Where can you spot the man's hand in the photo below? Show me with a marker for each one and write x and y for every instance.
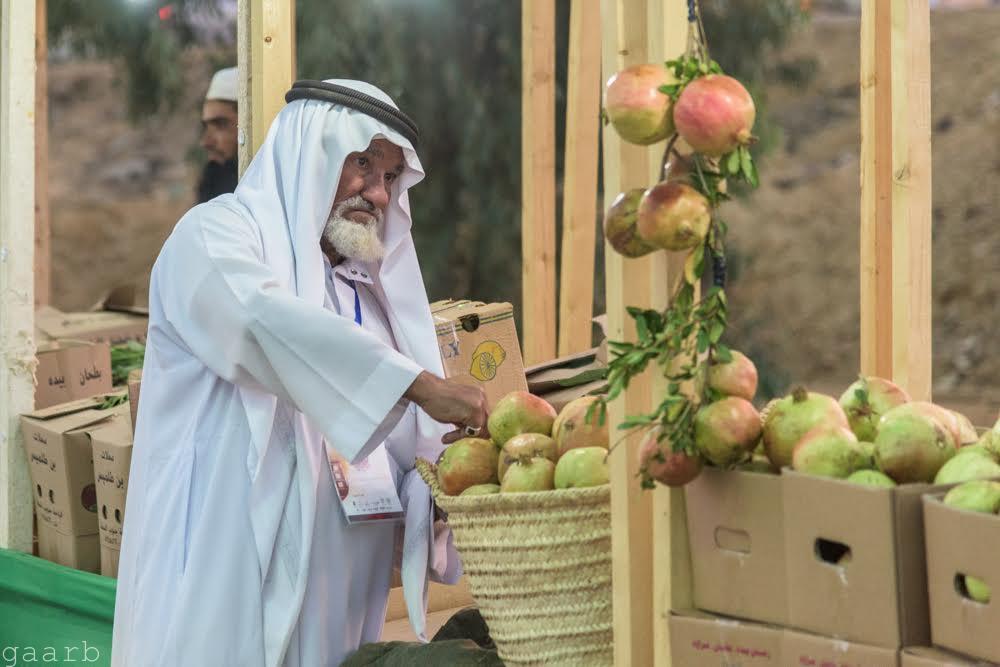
(450, 402)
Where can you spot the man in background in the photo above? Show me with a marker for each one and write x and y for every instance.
(218, 136)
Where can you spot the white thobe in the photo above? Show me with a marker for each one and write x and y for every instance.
(234, 553)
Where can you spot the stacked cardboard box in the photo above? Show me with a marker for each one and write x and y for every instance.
(69, 370)
(959, 543)
(112, 450)
(824, 562)
(60, 457)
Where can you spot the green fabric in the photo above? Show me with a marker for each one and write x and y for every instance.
(50, 614)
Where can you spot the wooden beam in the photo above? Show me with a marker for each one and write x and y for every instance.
(671, 574)
(266, 59)
(896, 194)
(43, 232)
(634, 32)
(17, 216)
(538, 180)
(579, 225)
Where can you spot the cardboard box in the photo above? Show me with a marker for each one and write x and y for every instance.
(479, 346)
(923, 656)
(112, 445)
(134, 385)
(114, 328)
(698, 639)
(60, 459)
(961, 542)
(81, 552)
(878, 595)
(800, 648)
(567, 378)
(735, 528)
(69, 370)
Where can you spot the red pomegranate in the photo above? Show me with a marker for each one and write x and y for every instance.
(637, 109)
(715, 114)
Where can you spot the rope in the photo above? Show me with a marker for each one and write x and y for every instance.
(692, 11)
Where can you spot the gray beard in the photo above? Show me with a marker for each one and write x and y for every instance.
(361, 241)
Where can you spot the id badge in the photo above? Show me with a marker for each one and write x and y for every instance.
(366, 490)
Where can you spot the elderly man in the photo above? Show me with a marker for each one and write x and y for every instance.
(218, 136)
(289, 334)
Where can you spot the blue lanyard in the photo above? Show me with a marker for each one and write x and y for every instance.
(357, 304)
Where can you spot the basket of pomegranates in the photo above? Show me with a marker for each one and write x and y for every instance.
(530, 510)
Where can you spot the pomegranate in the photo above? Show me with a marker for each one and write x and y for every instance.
(828, 452)
(866, 400)
(726, 431)
(580, 467)
(529, 474)
(481, 490)
(673, 216)
(638, 111)
(947, 418)
(520, 412)
(620, 225)
(715, 114)
(572, 430)
(666, 466)
(871, 478)
(525, 444)
(911, 446)
(465, 463)
(736, 377)
(792, 417)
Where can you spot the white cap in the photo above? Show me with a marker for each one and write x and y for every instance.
(223, 86)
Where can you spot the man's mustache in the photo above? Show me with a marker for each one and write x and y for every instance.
(357, 202)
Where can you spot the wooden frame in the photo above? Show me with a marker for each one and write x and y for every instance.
(17, 279)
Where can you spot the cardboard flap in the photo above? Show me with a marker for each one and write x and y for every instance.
(73, 407)
(123, 299)
(470, 315)
(565, 372)
(115, 433)
(925, 656)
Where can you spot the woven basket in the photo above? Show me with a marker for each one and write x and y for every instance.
(539, 567)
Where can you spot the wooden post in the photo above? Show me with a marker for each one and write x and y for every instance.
(17, 216)
(43, 233)
(583, 106)
(896, 193)
(538, 180)
(634, 32)
(266, 61)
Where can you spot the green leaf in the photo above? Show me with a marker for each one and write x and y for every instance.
(733, 162)
(747, 166)
(715, 331)
(674, 411)
(722, 354)
(702, 342)
(694, 265)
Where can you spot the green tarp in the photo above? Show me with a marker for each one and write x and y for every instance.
(50, 614)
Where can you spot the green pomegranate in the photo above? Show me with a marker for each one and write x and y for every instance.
(966, 465)
(529, 474)
(572, 429)
(912, 445)
(520, 412)
(525, 444)
(792, 417)
(980, 495)
(726, 431)
(580, 467)
(481, 490)
(871, 478)
(978, 589)
(828, 452)
(465, 463)
(867, 400)
(736, 377)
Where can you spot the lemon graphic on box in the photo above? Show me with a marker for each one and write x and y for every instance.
(486, 358)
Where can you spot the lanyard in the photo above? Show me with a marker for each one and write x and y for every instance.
(357, 303)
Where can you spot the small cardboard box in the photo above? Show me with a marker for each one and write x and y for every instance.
(801, 648)
(923, 656)
(60, 459)
(109, 327)
(698, 639)
(878, 593)
(479, 346)
(112, 444)
(961, 542)
(69, 370)
(735, 528)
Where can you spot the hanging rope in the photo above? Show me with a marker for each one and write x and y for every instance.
(692, 12)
